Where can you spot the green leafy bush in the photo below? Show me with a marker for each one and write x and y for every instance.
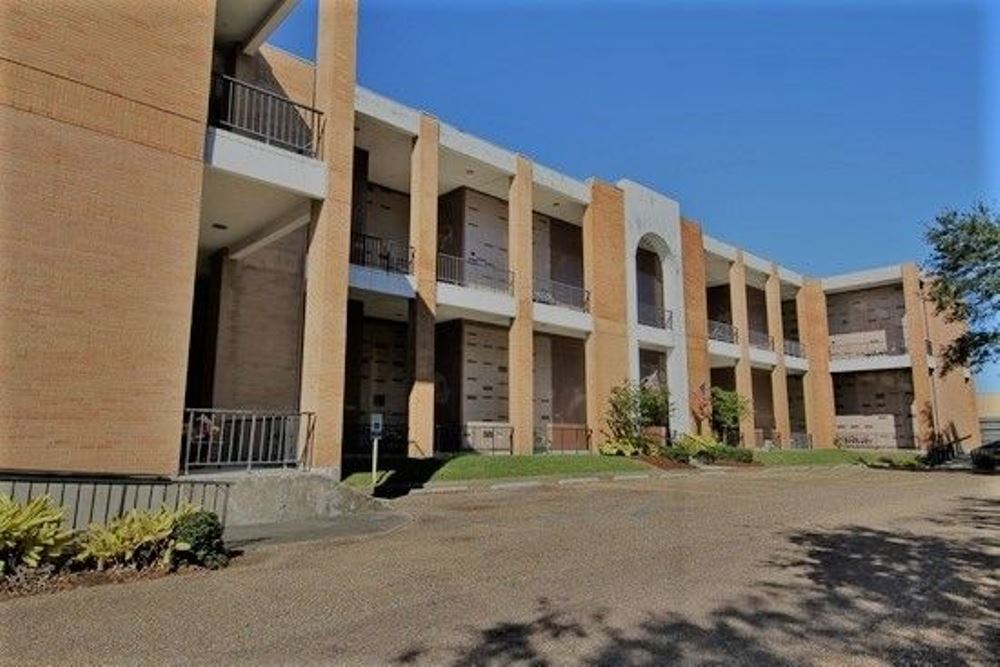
(675, 453)
(198, 540)
(619, 448)
(632, 409)
(31, 535)
(692, 444)
(728, 410)
(138, 539)
(724, 453)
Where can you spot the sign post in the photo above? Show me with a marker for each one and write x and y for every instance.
(376, 433)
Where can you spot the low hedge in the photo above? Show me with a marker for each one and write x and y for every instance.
(724, 453)
(32, 539)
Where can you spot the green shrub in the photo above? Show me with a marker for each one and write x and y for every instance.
(138, 539)
(728, 410)
(632, 408)
(31, 535)
(724, 453)
(692, 444)
(674, 453)
(619, 448)
(198, 540)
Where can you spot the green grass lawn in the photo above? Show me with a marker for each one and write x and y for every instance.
(469, 467)
(791, 457)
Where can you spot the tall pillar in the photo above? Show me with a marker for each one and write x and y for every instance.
(423, 238)
(696, 325)
(741, 320)
(779, 374)
(923, 409)
(325, 328)
(521, 404)
(606, 351)
(810, 304)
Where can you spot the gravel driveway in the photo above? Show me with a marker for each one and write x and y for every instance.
(824, 566)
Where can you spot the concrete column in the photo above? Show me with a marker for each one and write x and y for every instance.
(521, 336)
(325, 327)
(696, 325)
(810, 304)
(607, 358)
(923, 410)
(423, 238)
(779, 376)
(741, 320)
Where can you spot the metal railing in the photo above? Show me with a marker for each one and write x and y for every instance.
(560, 438)
(479, 437)
(555, 293)
(760, 340)
(227, 439)
(800, 440)
(794, 348)
(379, 253)
(723, 331)
(265, 116)
(766, 438)
(473, 273)
(653, 315)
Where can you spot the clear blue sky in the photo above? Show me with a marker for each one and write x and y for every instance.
(818, 134)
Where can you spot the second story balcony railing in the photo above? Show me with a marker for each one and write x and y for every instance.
(653, 315)
(473, 273)
(855, 350)
(794, 348)
(268, 117)
(379, 253)
(555, 293)
(723, 331)
(760, 340)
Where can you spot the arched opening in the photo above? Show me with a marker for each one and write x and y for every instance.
(649, 257)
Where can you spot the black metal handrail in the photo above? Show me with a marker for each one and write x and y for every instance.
(385, 254)
(760, 340)
(654, 315)
(794, 348)
(555, 293)
(247, 439)
(473, 273)
(723, 331)
(266, 116)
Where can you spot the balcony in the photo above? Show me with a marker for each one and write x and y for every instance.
(794, 348)
(474, 273)
(760, 340)
(653, 315)
(378, 253)
(555, 293)
(268, 117)
(723, 332)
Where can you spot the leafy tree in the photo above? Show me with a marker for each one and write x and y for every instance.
(631, 409)
(728, 410)
(965, 264)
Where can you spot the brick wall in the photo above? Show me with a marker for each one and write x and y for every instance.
(101, 134)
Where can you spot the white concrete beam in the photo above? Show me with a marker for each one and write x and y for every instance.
(294, 219)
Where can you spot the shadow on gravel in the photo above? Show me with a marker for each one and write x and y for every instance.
(857, 593)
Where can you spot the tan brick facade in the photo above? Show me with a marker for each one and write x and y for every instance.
(325, 331)
(606, 350)
(779, 374)
(741, 320)
(818, 384)
(423, 238)
(696, 322)
(100, 186)
(521, 334)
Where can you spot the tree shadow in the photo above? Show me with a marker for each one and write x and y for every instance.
(853, 593)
